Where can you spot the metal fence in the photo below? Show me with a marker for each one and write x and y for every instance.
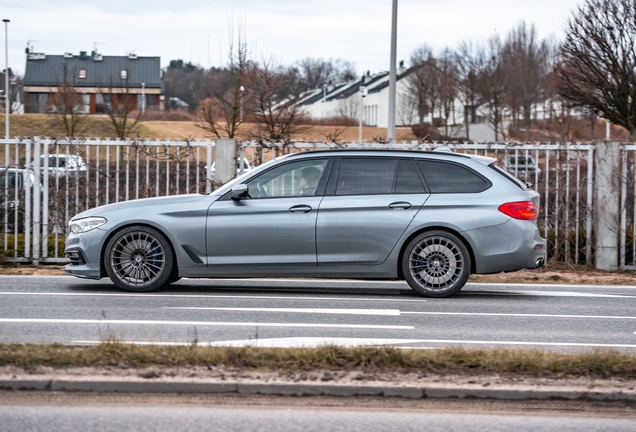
(34, 213)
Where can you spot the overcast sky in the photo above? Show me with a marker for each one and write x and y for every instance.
(197, 30)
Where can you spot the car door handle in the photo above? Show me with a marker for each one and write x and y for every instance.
(400, 205)
(300, 209)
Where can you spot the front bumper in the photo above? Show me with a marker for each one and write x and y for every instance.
(83, 271)
(84, 251)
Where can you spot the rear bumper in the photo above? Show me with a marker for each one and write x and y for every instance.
(512, 246)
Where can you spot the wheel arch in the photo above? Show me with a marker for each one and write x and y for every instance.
(473, 264)
(102, 268)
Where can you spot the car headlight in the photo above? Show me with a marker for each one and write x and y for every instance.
(86, 224)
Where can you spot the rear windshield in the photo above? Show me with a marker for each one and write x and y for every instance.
(509, 176)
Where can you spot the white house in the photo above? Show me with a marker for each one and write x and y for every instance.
(345, 99)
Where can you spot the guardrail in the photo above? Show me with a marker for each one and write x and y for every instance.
(34, 214)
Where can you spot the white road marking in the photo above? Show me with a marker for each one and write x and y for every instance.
(201, 323)
(550, 294)
(358, 282)
(151, 295)
(289, 342)
(569, 344)
(520, 315)
(318, 341)
(391, 312)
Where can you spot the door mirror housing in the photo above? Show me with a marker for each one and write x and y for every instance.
(240, 191)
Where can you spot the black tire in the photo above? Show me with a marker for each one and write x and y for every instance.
(139, 258)
(436, 264)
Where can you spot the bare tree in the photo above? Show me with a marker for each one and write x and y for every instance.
(277, 116)
(469, 67)
(525, 62)
(221, 112)
(186, 82)
(407, 108)
(598, 61)
(492, 84)
(67, 105)
(120, 102)
(316, 72)
(447, 69)
(421, 80)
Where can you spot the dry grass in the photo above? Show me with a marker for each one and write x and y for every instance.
(99, 126)
(534, 363)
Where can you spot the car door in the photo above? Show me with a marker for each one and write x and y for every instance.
(274, 226)
(369, 204)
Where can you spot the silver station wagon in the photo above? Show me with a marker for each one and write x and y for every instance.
(431, 218)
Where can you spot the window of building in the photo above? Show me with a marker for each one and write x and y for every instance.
(82, 73)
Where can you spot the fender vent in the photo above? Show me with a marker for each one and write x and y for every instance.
(192, 254)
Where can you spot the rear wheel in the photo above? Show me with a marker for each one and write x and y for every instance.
(139, 258)
(436, 264)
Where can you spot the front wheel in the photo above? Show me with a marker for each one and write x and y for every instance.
(436, 264)
(139, 258)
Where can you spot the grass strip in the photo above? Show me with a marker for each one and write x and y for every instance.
(528, 362)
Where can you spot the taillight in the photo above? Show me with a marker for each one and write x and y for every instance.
(523, 210)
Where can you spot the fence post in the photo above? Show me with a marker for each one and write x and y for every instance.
(607, 223)
(225, 160)
(35, 257)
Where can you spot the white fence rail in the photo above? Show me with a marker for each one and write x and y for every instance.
(34, 213)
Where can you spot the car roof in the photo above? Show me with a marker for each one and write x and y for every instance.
(441, 153)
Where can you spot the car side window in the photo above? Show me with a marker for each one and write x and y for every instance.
(366, 176)
(293, 179)
(408, 180)
(447, 177)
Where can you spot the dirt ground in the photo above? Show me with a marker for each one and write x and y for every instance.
(543, 276)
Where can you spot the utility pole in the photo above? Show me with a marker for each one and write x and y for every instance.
(6, 78)
(392, 75)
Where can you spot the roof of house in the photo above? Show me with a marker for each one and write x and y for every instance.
(48, 70)
(385, 84)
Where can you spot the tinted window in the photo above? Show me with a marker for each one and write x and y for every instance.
(443, 177)
(366, 176)
(408, 180)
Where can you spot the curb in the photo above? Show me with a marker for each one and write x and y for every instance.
(430, 392)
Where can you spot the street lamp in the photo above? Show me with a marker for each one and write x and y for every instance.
(6, 78)
(363, 94)
(242, 89)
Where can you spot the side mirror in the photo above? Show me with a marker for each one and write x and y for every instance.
(240, 191)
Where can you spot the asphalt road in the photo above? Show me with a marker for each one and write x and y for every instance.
(36, 309)
(120, 419)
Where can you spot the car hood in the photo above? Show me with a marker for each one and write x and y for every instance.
(145, 205)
